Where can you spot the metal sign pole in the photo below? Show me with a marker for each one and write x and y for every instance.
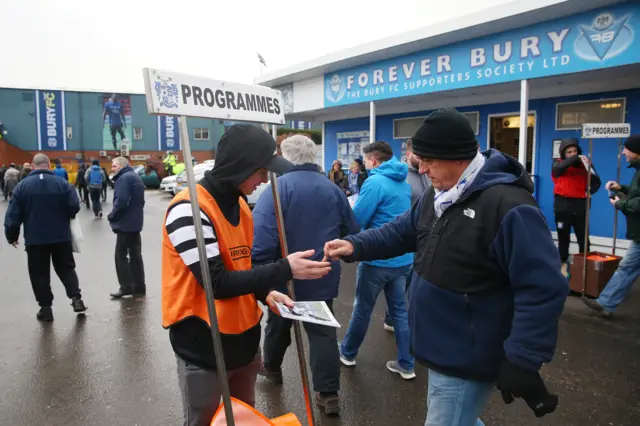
(586, 227)
(615, 212)
(206, 276)
(297, 332)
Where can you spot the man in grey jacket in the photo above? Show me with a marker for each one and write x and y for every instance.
(419, 184)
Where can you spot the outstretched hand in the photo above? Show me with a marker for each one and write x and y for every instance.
(334, 250)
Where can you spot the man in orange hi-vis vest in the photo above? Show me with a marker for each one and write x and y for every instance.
(244, 156)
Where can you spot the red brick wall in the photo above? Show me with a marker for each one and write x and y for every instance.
(12, 154)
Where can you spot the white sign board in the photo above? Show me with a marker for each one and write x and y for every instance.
(606, 131)
(170, 93)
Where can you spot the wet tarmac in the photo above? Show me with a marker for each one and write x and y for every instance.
(116, 367)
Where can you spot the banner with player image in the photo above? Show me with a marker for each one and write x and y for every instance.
(116, 117)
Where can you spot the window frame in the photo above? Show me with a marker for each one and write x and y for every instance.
(422, 117)
(195, 138)
(590, 101)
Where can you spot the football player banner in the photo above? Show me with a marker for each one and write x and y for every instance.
(173, 94)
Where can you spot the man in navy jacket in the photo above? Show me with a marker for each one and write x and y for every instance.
(45, 206)
(314, 210)
(126, 221)
(486, 292)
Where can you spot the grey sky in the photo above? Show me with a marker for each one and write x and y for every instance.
(80, 44)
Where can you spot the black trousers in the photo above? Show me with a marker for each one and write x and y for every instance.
(129, 265)
(84, 195)
(323, 350)
(39, 259)
(565, 220)
(95, 199)
(116, 129)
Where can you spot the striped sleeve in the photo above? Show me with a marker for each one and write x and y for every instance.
(182, 234)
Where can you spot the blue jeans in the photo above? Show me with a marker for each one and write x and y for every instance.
(620, 283)
(452, 401)
(387, 317)
(370, 281)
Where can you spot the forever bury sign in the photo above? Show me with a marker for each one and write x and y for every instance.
(592, 40)
(170, 93)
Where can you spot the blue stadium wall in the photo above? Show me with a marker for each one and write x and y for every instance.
(83, 112)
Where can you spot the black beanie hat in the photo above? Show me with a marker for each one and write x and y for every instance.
(447, 135)
(633, 144)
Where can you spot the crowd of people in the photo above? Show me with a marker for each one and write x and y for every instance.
(473, 281)
(45, 204)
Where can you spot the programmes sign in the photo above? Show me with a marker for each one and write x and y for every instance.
(592, 40)
(179, 94)
(50, 120)
(168, 133)
(606, 131)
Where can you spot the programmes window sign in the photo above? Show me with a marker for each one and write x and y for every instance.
(592, 40)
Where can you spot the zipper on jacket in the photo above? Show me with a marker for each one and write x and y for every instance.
(470, 314)
(437, 242)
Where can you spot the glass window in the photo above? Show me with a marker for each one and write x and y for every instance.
(137, 133)
(572, 115)
(201, 134)
(404, 128)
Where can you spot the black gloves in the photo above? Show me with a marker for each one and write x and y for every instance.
(516, 382)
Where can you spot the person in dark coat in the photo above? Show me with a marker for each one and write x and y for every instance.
(81, 184)
(626, 199)
(3, 169)
(26, 169)
(569, 176)
(45, 205)
(307, 198)
(126, 220)
(487, 292)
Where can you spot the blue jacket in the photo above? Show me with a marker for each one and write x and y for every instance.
(60, 172)
(315, 211)
(128, 202)
(486, 282)
(384, 196)
(44, 204)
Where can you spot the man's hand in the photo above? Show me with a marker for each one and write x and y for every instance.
(585, 159)
(334, 250)
(613, 186)
(15, 244)
(277, 297)
(304, 269)
(613, 201)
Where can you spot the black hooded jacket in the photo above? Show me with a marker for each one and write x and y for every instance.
(236, 159)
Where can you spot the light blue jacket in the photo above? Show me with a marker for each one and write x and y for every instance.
(384, 196)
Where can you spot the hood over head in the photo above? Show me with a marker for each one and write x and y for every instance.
(566, 143)
(392, 169)
(498, 169)
(243, 149)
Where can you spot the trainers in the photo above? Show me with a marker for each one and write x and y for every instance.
(594, 305)
(330, 402)
(389, 328)
(120, 293)
(100, 213)
(394, 367)
(274, 377)
(45, 314)
(346, 361)
(78, 305)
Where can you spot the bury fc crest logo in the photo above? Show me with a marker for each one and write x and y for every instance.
(166, 92)
(335, 88)
(605, 38)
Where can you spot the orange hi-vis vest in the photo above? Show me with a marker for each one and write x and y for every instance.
(183, 296)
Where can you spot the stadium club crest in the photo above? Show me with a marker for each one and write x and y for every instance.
(605, 38)
(335, 88)
(166, 92)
